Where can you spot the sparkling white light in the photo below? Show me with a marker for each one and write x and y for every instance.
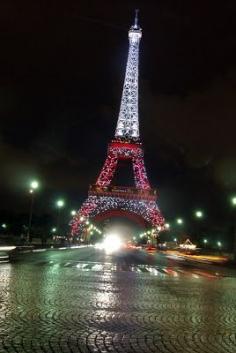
(95, 205)
(128, 120)
(118, 151)
(112, 243)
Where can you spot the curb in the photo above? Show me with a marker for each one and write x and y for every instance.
(9, 252)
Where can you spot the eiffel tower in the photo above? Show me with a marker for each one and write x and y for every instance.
(105, 199)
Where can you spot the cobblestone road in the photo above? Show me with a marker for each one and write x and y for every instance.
(53, 304)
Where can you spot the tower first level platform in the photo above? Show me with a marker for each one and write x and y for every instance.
(104, 198)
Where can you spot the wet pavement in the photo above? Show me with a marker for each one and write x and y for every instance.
(86, 301)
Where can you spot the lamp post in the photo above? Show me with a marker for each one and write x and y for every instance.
(33, 186)
(179, 229)
(199, 215)
(167, 226)
(205, 241)
(3, 227)
(60, 203)
(219, 244)
(233, 203)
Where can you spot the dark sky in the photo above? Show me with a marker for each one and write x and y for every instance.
(61, 74)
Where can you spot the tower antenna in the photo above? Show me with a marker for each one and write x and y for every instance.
(136, 18)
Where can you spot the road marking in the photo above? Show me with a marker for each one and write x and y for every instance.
(151, 270)
(38, 250)
(4, 258)
(142, 269)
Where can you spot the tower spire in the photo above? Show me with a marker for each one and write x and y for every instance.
(128, 120)
(136, 19)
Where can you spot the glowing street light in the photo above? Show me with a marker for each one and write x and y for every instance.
(199, 214)
(73, 213)
(60, 203)
(167, 225)
(205, 241)
(233, 200)
(34, 184)
(179, 221)
(54, 230)
(4, 226)
(219, 244)
(175, 239)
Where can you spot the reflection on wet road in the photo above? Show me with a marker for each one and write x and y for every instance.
(86, 301)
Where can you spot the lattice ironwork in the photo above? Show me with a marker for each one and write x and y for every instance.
(128, 120)
(119, 150)
(103, 196)
(95, 205)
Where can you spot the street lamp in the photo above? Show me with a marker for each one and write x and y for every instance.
(60, 203)
(199, 214)
(54, 230)
(4, 226)
(34, 184)
(233, 200)
(73, 213)
(205, 241)
(219, 244)
(179, 221)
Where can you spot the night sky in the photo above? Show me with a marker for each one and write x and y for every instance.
(61, 75)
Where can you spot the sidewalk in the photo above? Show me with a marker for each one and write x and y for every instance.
(10, 252)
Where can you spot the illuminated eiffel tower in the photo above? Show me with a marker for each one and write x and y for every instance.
(105, 199)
